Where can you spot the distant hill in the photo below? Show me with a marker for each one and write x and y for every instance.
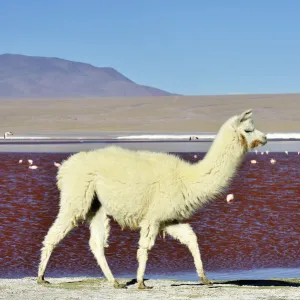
(44, 77)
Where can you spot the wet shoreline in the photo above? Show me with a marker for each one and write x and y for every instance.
(252, 274)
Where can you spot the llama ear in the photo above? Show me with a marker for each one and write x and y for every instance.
(245, 115)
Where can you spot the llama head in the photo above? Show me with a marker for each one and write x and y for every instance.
(248, 136)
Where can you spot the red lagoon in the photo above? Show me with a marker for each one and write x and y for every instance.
(258, 229)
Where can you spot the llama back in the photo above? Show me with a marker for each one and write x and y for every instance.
(132, 184)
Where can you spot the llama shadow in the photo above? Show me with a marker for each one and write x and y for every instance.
(260, 283)
(196, 284)
(86, 283)
(133, 281)
(263, 283)
(93, 283)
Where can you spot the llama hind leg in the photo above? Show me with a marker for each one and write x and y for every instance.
(99, 227)
(147, 239)
(60, 228)
(185, 234)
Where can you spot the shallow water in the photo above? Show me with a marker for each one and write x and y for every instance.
(256, 235)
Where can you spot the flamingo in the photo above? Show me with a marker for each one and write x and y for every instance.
(6, 134)
(273, 161)
(255, 151)
(229, 198)
(33, 167)
(267, 152)
(20, 161)
(253, 161)
(262, 153)
(30, 161)
(286, 152)
(193, 138)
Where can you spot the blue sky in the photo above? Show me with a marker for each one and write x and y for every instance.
(191, 47)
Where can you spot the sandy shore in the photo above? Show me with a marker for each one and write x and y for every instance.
(88, 288)
(272, 113)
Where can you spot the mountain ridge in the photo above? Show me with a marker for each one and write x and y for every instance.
(23, 76)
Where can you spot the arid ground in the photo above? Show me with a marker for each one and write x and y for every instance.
(272, 113)
(91, 288)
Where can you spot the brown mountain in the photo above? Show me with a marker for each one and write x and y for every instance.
(44, 77)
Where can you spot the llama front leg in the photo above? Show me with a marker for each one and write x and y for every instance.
(147, 239)
(185, 234)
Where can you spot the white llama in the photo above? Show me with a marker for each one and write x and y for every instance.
(146, 191)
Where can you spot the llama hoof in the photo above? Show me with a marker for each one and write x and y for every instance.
(142, 286)
(206, 282)
(41, 280)
(118, 285)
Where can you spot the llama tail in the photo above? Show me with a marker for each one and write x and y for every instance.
(76, 183)
(81, 206)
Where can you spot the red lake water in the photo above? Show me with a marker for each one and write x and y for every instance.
(258, 231)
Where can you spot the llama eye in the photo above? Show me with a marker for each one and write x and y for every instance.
(248, 131)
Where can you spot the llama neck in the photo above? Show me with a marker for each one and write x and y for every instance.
(218, 167)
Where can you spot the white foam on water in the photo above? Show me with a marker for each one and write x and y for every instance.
(270, 136)
(167, 137)
(186, 136)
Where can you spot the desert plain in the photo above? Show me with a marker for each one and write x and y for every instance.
(271, 113)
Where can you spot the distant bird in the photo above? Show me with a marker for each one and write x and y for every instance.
(298, 153)
(267, 152)
(286, 152)
(33, 167)
(193, 138)
(273, 161)
(255, 151)
(20, 161)
(262, 153)
(6, 134)
(30, 161)
(58, 164)
(229, 198)
(253, 161)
